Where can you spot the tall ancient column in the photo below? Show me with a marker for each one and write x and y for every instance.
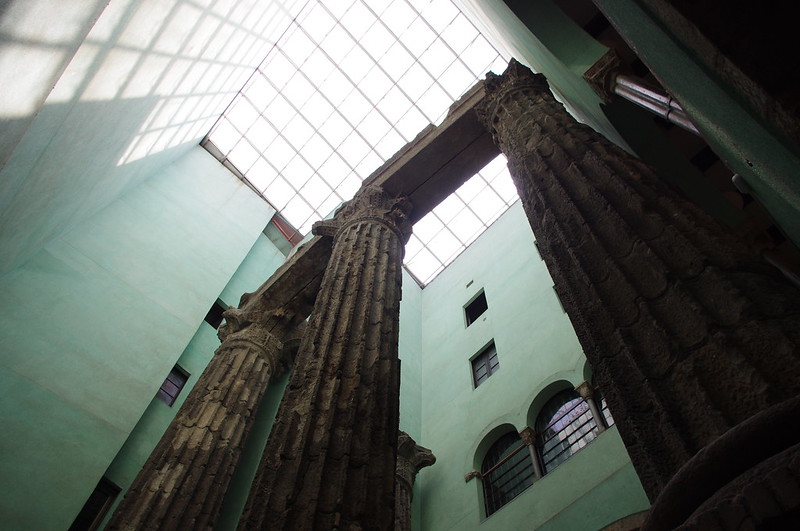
(330, 459)
(183, 482)
(689, 333)
(411, 458)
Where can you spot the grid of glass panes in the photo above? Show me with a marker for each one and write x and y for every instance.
(456, 222)
(565, 425)
(347, 85)
(507, 470)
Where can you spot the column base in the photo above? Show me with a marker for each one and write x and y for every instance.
(749, 478)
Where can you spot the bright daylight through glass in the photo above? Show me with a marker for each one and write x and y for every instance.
(346, 86)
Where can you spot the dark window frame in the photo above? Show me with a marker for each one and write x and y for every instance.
(97, 506)
(476, 307)
(173, 385)
(484, 364)
(564, 426)
(214, 316)
(507, 470)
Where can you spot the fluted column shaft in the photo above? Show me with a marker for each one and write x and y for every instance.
(411, 458)
(183, 482)
(688, 332)
(330, 459)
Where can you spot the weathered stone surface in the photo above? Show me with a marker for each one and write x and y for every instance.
(689, 333)
(411, 458)
(330, 459)
(750, 476)
(182, 484)
(601, 74)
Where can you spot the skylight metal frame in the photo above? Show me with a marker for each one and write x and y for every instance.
(312, 122)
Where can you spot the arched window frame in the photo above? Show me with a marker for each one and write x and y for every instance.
(506, 471)
(564, 425)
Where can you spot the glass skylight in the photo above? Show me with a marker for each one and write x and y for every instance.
(346, 86)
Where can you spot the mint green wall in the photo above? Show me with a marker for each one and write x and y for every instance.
(142, 440)
(99, 95)
(239, 489)
(536, 347)
(746, 146)
(564, 72)
(410, 349)
(541, 35)
(95, 320)
(262, 260)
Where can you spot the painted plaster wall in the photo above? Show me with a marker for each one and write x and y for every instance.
(144, 437)
(94, 321)
(410, 351)
(564, 71)
(262, 260)
(537, 350)
(130, 85)
(761, 156)
(541, 35)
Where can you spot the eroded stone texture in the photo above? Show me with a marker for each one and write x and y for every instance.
(411, 458)
(689, 333)
(330, 459)
(183, 482)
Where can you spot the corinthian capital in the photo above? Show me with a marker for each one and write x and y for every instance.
(371, 203)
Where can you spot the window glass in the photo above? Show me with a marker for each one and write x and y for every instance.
(564, 426)
(507, 470)
(484, 365)
(475, 309)
(172, 385)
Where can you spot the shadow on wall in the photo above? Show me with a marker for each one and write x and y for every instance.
(92, 86)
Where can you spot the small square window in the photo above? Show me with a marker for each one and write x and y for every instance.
(475, 309)
(172, 386)
(484, 364)
(97, 506)
(214, 315)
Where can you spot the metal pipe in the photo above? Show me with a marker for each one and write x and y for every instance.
(663, 106)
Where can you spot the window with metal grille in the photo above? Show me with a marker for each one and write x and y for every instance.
(475, 309)
(507, 470)
(96, 507)
(564, 426)
(484, 364)
(172, 386)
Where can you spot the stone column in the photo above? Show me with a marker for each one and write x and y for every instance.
(689, 333)
(330, 459)
(183, 482)
(528, 437)
(587, 393)
(411, 458)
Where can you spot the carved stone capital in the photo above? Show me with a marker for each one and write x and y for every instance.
(371, 203)
(515, 78)
(602, 74)
(585, 390)
(528, 436)
(411, 458)
(279, 321)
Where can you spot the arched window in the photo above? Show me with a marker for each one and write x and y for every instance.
(564, 426)
(507, 470)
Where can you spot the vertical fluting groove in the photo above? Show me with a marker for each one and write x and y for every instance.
(673, 313)
(183, 482)
(315, 470)
(620, 273)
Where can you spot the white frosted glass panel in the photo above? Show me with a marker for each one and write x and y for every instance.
(324, 110)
